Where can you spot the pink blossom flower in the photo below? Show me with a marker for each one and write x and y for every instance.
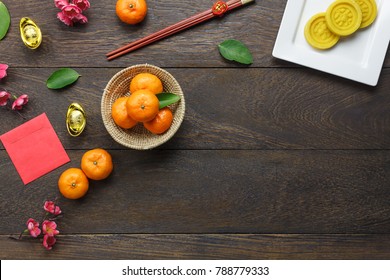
(71, 11)
(48, 241)
(82, 4)
(52, 208)
(33, 227)
(4, 96)
(49, 228)
(64, 18)
(81, 18)
(3, 70)
(19, 102)
(61, 3)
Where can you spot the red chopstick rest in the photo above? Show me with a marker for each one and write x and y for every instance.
(219, 8)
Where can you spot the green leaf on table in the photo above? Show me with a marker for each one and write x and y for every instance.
(5, 20)
(167, 99)
(61, 78)
(236, 51)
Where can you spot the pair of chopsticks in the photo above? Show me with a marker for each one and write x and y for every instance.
(218, 9)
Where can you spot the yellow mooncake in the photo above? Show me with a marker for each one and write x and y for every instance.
(317, 33)
(344, 17)
(369, 11)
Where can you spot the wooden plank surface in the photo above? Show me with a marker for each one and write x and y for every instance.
(220, 191)
(203, 246)
(104, 32)
(192, 48)
(229, 109)
(272, 161)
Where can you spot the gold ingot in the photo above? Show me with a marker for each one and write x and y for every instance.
(76, 119)
(30, 33)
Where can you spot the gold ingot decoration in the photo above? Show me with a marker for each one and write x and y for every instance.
(30, 33)
(76, 119)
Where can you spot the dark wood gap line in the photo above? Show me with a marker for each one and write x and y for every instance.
(214, 233)
(260, 150)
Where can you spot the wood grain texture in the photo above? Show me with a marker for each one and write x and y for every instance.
(228, 109)
(251, 191)
(204, 246)
(256, 25)
(272, 161)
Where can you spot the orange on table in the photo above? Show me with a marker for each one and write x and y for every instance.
(73, 183)
(317, 33)
(97, 164)
(142, 105)
(131, 11)
(146, 81)
(343, 17)
(369, 11)
(161, 123)
(119, 114)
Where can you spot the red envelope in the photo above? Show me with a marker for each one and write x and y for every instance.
(34, 148)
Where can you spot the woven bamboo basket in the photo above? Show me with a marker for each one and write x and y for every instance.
(138, 137)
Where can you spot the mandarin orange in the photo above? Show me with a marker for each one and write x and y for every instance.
(73, 183)
(142, 105)
(131, 11)
(146, 81)
(161, 123)
(97, 164)
(119, 114)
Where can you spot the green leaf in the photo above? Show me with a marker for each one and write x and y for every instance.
(236, 51)
(5, 20)
(61, 78)
(167, 99)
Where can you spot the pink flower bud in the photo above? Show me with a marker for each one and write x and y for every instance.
(49, 228)
(48, 241)
(81, 18)
(19, 102)
(61, 3)
(71, 11)
(82, 4)
(64, 18)
(3, 70)
(4, 96)
(33, 227)
(52, 208)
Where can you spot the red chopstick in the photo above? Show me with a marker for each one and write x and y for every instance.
(166, 29)
(184, 24)
(150, 39)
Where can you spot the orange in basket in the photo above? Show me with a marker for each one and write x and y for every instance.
(142, 105)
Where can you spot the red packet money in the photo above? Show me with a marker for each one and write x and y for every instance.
(34, 148)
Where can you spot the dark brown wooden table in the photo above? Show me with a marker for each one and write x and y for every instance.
(272, 161)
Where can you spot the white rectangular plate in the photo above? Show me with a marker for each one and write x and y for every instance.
(358, 57)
